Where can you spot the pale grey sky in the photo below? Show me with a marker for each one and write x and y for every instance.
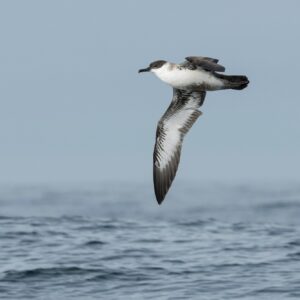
(74, 108)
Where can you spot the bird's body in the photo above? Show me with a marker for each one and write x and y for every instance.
(190, 81)
(179, 76)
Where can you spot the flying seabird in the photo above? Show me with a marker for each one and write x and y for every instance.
(190, 80)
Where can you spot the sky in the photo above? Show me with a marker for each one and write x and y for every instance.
(74, 108)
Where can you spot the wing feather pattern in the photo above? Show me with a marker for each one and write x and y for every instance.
(207, 63)
(171, 129)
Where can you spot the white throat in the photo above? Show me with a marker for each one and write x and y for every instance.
(169, 74)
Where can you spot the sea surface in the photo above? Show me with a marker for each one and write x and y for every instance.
(112, 241)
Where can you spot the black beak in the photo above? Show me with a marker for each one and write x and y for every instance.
(145, 70)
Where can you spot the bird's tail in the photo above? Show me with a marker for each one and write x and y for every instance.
(235, 82)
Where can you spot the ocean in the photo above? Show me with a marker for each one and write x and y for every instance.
(112, 241)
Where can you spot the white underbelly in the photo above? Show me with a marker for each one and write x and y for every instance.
(183, 78)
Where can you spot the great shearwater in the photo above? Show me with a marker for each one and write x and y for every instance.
(190, 80)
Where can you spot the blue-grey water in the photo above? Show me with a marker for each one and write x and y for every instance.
(114, 242)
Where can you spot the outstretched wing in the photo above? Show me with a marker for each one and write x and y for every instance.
(171, 129)
(207, 63)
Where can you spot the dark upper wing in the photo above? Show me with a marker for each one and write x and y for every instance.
(207, 63)
(172, 127)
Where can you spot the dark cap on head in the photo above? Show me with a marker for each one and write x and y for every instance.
(154, 65)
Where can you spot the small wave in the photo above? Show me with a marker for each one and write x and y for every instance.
(57, 233)
(294, 243)
(295, 255)
(194, 223)
(247, 265)
(133, 251)
(241, 248)
(182, 241)
(174, 261)
(122, 275)
(96, 227)
(94, 243)
(9, 218)
(22, 233)
(280, 205)
(271, 290)
(108, 275)
(13, 275)
(240, 226)
(154, 268)
(274, 231)
(150, 241)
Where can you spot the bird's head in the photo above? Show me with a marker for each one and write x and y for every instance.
(154, 66)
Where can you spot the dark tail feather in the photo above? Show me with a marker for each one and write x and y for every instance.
(235, 82)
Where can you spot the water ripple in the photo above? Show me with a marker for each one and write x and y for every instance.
(243, 246)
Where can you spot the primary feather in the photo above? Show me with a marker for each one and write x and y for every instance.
(172, 127)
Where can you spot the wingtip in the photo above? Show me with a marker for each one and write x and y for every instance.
(159, 197)
(159, 201)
